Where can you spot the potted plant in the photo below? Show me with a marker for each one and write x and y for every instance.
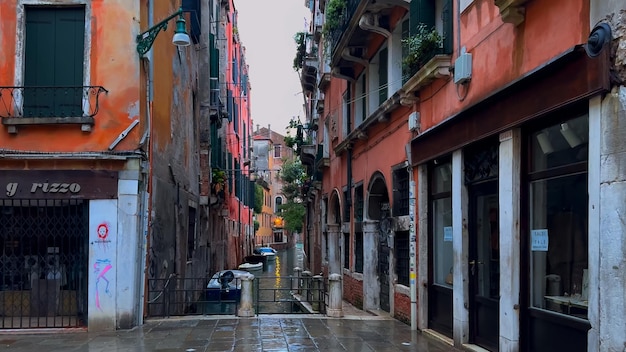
(218, 179)
(420, 48)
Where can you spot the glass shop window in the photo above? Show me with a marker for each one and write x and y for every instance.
(558, 203)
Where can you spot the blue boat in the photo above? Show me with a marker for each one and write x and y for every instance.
(225, 285)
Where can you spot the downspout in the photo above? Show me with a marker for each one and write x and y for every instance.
(349, 166)
(412, 237)
(146, 140)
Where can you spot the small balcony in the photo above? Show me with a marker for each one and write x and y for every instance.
(49, 105)
(322, 159)
(348, 39)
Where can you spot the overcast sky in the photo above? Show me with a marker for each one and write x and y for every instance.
(266, 28)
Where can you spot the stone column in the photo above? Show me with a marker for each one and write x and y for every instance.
(295, 284)
(460, 247)
(509, 195)
(306, 283)
(334, 260)
(318, 293)
(335, 296)
(246, 308)
(371, 286)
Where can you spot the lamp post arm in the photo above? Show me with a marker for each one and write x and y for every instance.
(146, 39)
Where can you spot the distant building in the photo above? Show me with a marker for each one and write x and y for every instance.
(270, 151)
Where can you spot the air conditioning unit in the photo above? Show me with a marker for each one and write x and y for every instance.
(463, 68)
(414, 121)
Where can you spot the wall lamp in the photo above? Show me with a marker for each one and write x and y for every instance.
(181, 38)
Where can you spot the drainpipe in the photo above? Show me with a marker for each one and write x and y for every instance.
(412, 239)
(146, 140)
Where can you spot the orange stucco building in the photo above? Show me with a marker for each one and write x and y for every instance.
(99, 148)
(456, 155)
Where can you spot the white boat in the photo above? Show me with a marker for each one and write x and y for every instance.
(268, 252)
(251, 266)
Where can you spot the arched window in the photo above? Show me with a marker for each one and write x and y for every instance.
(279, 202)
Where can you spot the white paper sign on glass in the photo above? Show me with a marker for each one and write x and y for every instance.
(447, 234)
(539, 240)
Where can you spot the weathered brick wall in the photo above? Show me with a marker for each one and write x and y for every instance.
(402, 307)
(353, 291)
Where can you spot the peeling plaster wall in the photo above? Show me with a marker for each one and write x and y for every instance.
(112, 63)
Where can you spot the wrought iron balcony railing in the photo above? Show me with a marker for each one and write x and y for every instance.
(344, 21)
(49, 102)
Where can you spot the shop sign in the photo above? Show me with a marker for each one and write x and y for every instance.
(58, 184)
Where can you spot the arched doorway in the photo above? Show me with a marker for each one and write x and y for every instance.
(378, 209)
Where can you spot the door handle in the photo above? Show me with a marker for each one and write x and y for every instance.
(472, 264)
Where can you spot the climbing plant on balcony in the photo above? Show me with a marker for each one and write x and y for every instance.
(333, 19)
(333, 15)
(300, 39)
(420, 47)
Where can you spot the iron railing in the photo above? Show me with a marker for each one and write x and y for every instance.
(344, 22)
(189, 296)
(290, 294)
(41, 102)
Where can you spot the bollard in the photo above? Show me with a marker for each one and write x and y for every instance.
(335, 299)
(295, 283)
(245, 302)
(318, 295)
(306, 283)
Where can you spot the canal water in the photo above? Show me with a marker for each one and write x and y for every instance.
(273, 284)
(272, 287)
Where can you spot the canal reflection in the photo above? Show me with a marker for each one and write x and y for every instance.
(272, 288)
(274, 283)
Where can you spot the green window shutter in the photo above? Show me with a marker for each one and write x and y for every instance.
(229, 104)
(364, 98)
(57, 34)
(448, 27)
(421, 11)
(382, 76)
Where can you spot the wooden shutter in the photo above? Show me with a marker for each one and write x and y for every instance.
(421, 11)
(447, 18)
(54, 56)
(382, 76)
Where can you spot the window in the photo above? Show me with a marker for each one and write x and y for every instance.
(382, 76)
(400, 192)
(54, 85)
(346, 250)
(358, 252)
(441, 230)
(434, 14)
(358, 203)
(279, 203)
(345, 106)
(277, 149)
(191, 233)
(558, 207)
(326, 249)
(360, 100)
(346, 206)
(402, 257)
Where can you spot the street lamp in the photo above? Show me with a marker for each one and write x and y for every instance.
(181, 38)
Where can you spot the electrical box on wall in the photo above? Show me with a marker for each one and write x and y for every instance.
(463, 68)
(414, 121)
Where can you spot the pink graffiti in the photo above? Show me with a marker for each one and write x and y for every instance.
(101, 276)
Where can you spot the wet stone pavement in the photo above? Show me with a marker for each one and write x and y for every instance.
(229, 333)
